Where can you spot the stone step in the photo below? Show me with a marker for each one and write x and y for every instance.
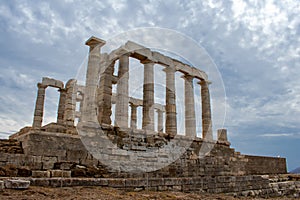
(16, 184)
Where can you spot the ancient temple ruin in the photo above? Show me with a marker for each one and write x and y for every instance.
(99, 97)
(84, 142)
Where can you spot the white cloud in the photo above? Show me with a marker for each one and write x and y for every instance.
(278, 135)
(254, 43)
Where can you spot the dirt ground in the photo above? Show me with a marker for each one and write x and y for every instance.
(37, 193)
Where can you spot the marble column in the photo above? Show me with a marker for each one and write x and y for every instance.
(89, 111)
(61, 106)
(70, 103)
(171, 121)
(148, 97)
(39, 106)
(160, 127)
(122, 99)
(190, 118)
(206, 111)
(104, 93)
(133, 119)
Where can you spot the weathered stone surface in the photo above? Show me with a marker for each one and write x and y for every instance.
(1, 185)
(17, 184)
(60, 173)
(41, 174)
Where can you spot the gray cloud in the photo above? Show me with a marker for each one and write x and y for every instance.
(255, 45)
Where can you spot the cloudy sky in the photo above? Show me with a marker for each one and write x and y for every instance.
(255, 45)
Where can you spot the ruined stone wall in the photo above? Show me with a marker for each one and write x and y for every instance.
(42, 151)
(264, 165)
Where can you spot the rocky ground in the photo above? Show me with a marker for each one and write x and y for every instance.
(37, 193)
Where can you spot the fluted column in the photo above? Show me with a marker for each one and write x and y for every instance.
(61, 106)
(160, 127)
(171, 121)
(104, 95)
(122, 99)
(206, 111)
(39, 106)
(70, 103)
(133, 120)
(148, 97)
(190, 118)
(89, 112)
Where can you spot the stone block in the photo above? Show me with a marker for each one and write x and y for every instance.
(41, 174)
(172, 181)
(48, 162)
(1, 185)
(43, 182)
(153, 182)
(17, 184)
(60, 173)
(136, 182)
(116, 183)
(52, 82)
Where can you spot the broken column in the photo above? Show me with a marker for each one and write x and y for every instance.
(190, 118)
(222, 135)
(206, 111)
(122, 100)
(171, 121)
(148, 97)
(39, 106)
(89, 113)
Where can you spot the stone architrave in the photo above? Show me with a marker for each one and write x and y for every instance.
(89, 112)
(148, 96)
(133, 119)
(61, 106)
(206, 111)
(171, 121)
(122, 99)
(39, 106)
(190, 118)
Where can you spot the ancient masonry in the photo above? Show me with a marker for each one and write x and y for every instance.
(62, 154)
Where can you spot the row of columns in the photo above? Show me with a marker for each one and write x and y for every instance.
(122, 100)
(66, 105)
(133, 119)
(148, 102)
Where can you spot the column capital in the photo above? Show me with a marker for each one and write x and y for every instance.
(133, 105)
(169, 69)
(159, 110)
(40, 85)
(62, 90)
(94, 41)
(188, 77)
(204, 82)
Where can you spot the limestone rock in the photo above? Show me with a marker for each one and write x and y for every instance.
(17, 184)
(1, 185)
